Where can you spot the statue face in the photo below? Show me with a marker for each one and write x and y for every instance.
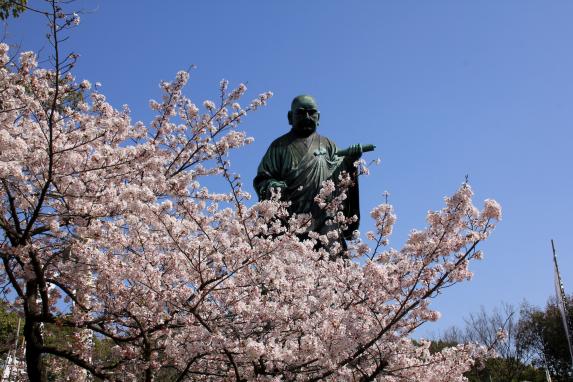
(304, 115)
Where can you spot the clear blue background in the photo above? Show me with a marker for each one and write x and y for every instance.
(443, 88)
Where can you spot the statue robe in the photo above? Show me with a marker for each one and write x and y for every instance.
(303, 164)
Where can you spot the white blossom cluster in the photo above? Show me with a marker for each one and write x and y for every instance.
(110, 219)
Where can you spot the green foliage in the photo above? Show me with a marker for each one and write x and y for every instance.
(505, 370)
(11, 7)
(543, 334)
(439, 345)
(8, 331)
(516, 361)
(8, 327)
(497, 369)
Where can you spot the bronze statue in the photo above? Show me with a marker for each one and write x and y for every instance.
(300, 160)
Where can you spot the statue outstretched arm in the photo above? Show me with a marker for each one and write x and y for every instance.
(355, 150)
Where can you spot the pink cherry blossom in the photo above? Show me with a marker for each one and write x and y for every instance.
(108, 230)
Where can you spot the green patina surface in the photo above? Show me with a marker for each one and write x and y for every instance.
(299, 162)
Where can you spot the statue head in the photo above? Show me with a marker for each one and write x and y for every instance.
(303, 115)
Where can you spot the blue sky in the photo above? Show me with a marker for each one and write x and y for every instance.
(443, 88)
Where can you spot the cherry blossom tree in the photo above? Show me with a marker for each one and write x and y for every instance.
(107, 231)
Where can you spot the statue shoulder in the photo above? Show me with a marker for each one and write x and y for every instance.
(329, 143)
(282, 141)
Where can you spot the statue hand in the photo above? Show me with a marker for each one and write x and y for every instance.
(277, 184)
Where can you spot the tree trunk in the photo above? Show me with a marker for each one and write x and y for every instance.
(33, 336)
